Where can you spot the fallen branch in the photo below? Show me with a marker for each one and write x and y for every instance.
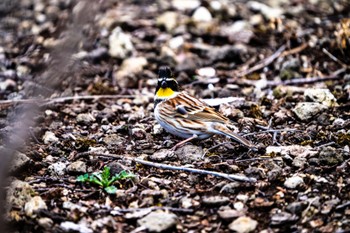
(173, 209)
(44, 102)
(176, 168)
(263, 63)
(194, 170)
(299, 81)
(334, 58)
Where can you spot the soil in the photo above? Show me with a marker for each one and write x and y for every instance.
(77, 82)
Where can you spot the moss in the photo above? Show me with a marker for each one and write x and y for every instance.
(255, 111)
(344, 139)
(83, 144)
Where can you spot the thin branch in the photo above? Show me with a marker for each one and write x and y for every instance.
(183, 210)
(334, 58)
(272, 131)
(295, 50)
(176, 168)
(263, 63)
(300, 81)
(44, 102)
(199, 171)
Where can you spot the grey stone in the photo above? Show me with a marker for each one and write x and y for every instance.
(307, 110)
(243, 225)
(293, 182)
(159, 221)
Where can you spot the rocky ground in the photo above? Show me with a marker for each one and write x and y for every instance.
(77, 80)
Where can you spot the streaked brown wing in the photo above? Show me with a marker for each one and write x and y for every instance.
(195, 109)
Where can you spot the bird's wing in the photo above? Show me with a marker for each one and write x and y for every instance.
(194, 109)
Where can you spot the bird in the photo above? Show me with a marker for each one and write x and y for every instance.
(186, 116)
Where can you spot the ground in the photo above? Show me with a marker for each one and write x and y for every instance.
(77, 81)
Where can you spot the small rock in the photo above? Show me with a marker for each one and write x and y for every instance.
(57, 169)
(45, 223)
(296, 207)
(159, 221)
(299, 162)
(85, 118)
(114, 140)
(138, 133)
(7, 84)
(19, 193)
(186, 202)
(227, 53)
(228, 214)
(19, 161)
(266, 10)
(126, 75)
(169, 20)
(215, 200)
(49, 137)
(243, 225)
(161, 155)
(307, 110)
(293, 182)
(231, 187)
(292, 150)
(77, 167)
(323, 96)
(202, 14)
(157, 129)
(283, 218)
(68, 226)
(189, 153)
(120, 45)
(33, 205)
(330, 156)
(183, 5)
(239, 206)
(329, 205)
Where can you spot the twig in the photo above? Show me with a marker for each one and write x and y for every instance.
(263, 63)
(176, 168)
(342, 206)
(331, 56)
(294, 50)
(300, 81)
(199, 171)
(183, 210)
(44, 102)
(272, 131)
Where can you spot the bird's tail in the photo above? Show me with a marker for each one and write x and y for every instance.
(223, 130)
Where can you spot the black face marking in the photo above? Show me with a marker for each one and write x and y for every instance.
(165, 79)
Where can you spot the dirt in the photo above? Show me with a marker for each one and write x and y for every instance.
(77, 81)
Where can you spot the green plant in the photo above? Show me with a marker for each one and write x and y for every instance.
(104, 179)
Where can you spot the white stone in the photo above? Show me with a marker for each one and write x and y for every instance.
(33, 205)
(71, 226)
(183, 5)
(266, 10)
(168, 19)
(158, 221)
(323, 96)
(293, 182)
(202, 14)
(120, 45)
(49, 137)
(243, 225)
(58, 168)
(307, 110)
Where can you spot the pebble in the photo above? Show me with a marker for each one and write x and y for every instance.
(161, 155)
(243, 225)
(169, 20)
(120, 45)
(138, 133)
(330, 156)
(266, 10)
(159, 221)
(299, 162)
(307, 110)
(228, 214)
(293, 182)
(283, 218)
(19, 161)
(85, 118)
(323, 96)
(45, 223)
(157, 129)
(183, 5)
(215, 200)
(19, 192)
(68, 226)
(77, 167)
(57, 169)
(189, 153)
(49, 137)
(126, 74)
(202, 14)
(33, 205)
(296, 207)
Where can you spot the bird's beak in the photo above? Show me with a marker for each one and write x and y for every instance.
(164, 84)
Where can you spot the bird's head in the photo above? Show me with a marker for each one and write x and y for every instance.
(167, 86)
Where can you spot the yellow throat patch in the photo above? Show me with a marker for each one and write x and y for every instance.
(164, 92)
